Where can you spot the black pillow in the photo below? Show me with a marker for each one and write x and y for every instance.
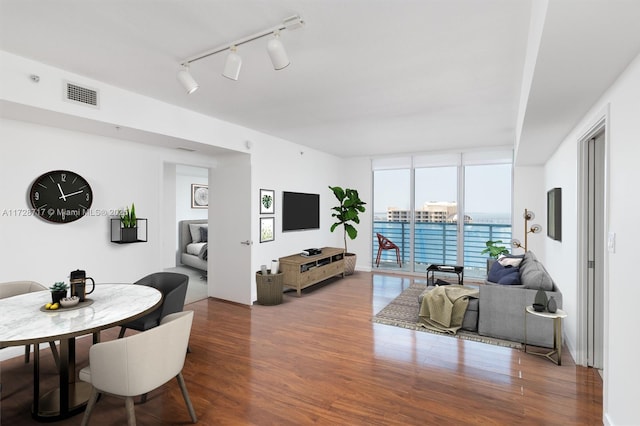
(204, 234)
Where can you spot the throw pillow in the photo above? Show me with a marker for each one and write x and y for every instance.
(194, 229)
(498, 271)
(511, 278)
(204, 234)
(510, 260)
(534, 276)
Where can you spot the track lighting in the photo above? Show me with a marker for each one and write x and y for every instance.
(276, 51)
(233, 62)
(190, 85)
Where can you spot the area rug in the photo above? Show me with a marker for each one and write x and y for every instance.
(403, 312)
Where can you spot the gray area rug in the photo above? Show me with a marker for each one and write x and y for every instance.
(403, 312)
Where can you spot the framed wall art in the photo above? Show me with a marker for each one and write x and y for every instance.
(199, 196)
(267, 229)
(267, 201)
(554, 214)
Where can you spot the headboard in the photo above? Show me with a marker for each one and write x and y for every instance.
(185, 233)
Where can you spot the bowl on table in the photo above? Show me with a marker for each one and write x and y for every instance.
(538, 307)
(68, 302)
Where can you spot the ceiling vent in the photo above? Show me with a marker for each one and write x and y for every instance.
(82, 95)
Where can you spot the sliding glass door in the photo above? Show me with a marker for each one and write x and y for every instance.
(441, 209)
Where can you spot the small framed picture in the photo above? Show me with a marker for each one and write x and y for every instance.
(267, 201)
(267, 229)
(199, 196)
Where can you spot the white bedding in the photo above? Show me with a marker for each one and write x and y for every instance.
(195, 248)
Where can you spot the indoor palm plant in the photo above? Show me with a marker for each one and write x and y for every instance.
(347, 214)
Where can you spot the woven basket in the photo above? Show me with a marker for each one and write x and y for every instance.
(269, 288)
(349, 263)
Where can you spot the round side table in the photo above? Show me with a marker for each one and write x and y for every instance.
(557, 332)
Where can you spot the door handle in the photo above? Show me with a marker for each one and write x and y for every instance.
(246, 243)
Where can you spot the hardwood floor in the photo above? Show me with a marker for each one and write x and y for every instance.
(319, 359)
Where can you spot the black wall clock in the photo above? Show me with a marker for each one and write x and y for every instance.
(60, 196)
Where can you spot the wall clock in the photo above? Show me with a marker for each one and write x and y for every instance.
(60, 196)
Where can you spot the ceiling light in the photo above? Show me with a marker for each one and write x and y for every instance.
(276, 51)
(190, 85)
(232, 64)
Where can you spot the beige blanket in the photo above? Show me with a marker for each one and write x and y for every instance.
(443, 308)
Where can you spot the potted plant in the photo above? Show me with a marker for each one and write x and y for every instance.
(494, 249)
(58, 291)
(128, 224)
(347, 214)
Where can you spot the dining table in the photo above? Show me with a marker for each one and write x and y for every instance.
(25, 320)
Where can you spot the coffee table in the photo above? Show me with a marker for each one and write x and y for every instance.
(24, 323)
(448, 269)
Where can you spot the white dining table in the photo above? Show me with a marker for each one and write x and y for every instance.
(22, 321)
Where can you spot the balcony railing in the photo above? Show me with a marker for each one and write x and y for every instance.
(436, 242)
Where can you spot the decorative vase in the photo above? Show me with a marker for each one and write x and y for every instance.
(541, 298)
(56, 296)
(552, 306)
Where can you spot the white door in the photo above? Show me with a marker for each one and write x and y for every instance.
(595, 250)
(229, 250)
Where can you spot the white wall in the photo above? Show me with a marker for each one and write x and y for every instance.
(119, 172)
(622, 292)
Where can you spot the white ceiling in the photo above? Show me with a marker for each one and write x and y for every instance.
(367, 77)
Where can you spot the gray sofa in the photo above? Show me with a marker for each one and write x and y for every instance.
(502, 307)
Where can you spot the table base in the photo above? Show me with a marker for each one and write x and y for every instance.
(49, 403)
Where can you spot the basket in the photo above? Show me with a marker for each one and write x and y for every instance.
(269, 288)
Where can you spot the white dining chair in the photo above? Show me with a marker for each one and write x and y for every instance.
(15, 288)
(140, 363)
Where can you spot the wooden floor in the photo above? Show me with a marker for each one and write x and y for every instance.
(319, 359)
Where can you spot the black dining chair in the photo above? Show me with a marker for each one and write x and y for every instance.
(173, 287)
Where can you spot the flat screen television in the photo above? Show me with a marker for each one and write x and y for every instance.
(300, 211)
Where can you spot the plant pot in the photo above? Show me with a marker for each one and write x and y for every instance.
(128, 235)
(349, 263)
(56, 296)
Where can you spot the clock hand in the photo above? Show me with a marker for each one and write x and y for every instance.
(69, 195)
(63, 196)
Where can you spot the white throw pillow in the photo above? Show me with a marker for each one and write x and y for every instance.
(509, 261)
(195, 231)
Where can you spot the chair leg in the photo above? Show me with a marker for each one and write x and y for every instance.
(187, 400)
(121, 334)
(378, 257)
(93, 397)
(131, 413)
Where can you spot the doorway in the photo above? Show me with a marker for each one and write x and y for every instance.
(592, 270)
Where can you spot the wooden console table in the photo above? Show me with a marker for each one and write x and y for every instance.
(303, 271)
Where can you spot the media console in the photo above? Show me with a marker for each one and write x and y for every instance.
(303, 271)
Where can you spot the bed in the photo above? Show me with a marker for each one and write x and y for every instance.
(193, 243)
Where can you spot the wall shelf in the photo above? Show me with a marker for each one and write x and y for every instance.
(120, 235)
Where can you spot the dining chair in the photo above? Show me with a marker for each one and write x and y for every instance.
(386, 244)
(140, 363)
(15, 288)
(173, 287)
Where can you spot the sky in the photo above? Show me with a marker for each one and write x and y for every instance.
(487, 189)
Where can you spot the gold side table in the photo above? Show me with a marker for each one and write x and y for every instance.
(557, 332)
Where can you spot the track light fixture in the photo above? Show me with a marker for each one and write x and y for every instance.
(190, 85)
(233, 62)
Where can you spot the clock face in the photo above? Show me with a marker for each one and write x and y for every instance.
(60, 196)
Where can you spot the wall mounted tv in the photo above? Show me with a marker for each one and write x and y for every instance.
(300, 211)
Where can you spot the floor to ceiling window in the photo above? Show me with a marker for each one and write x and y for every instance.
(441, 209)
